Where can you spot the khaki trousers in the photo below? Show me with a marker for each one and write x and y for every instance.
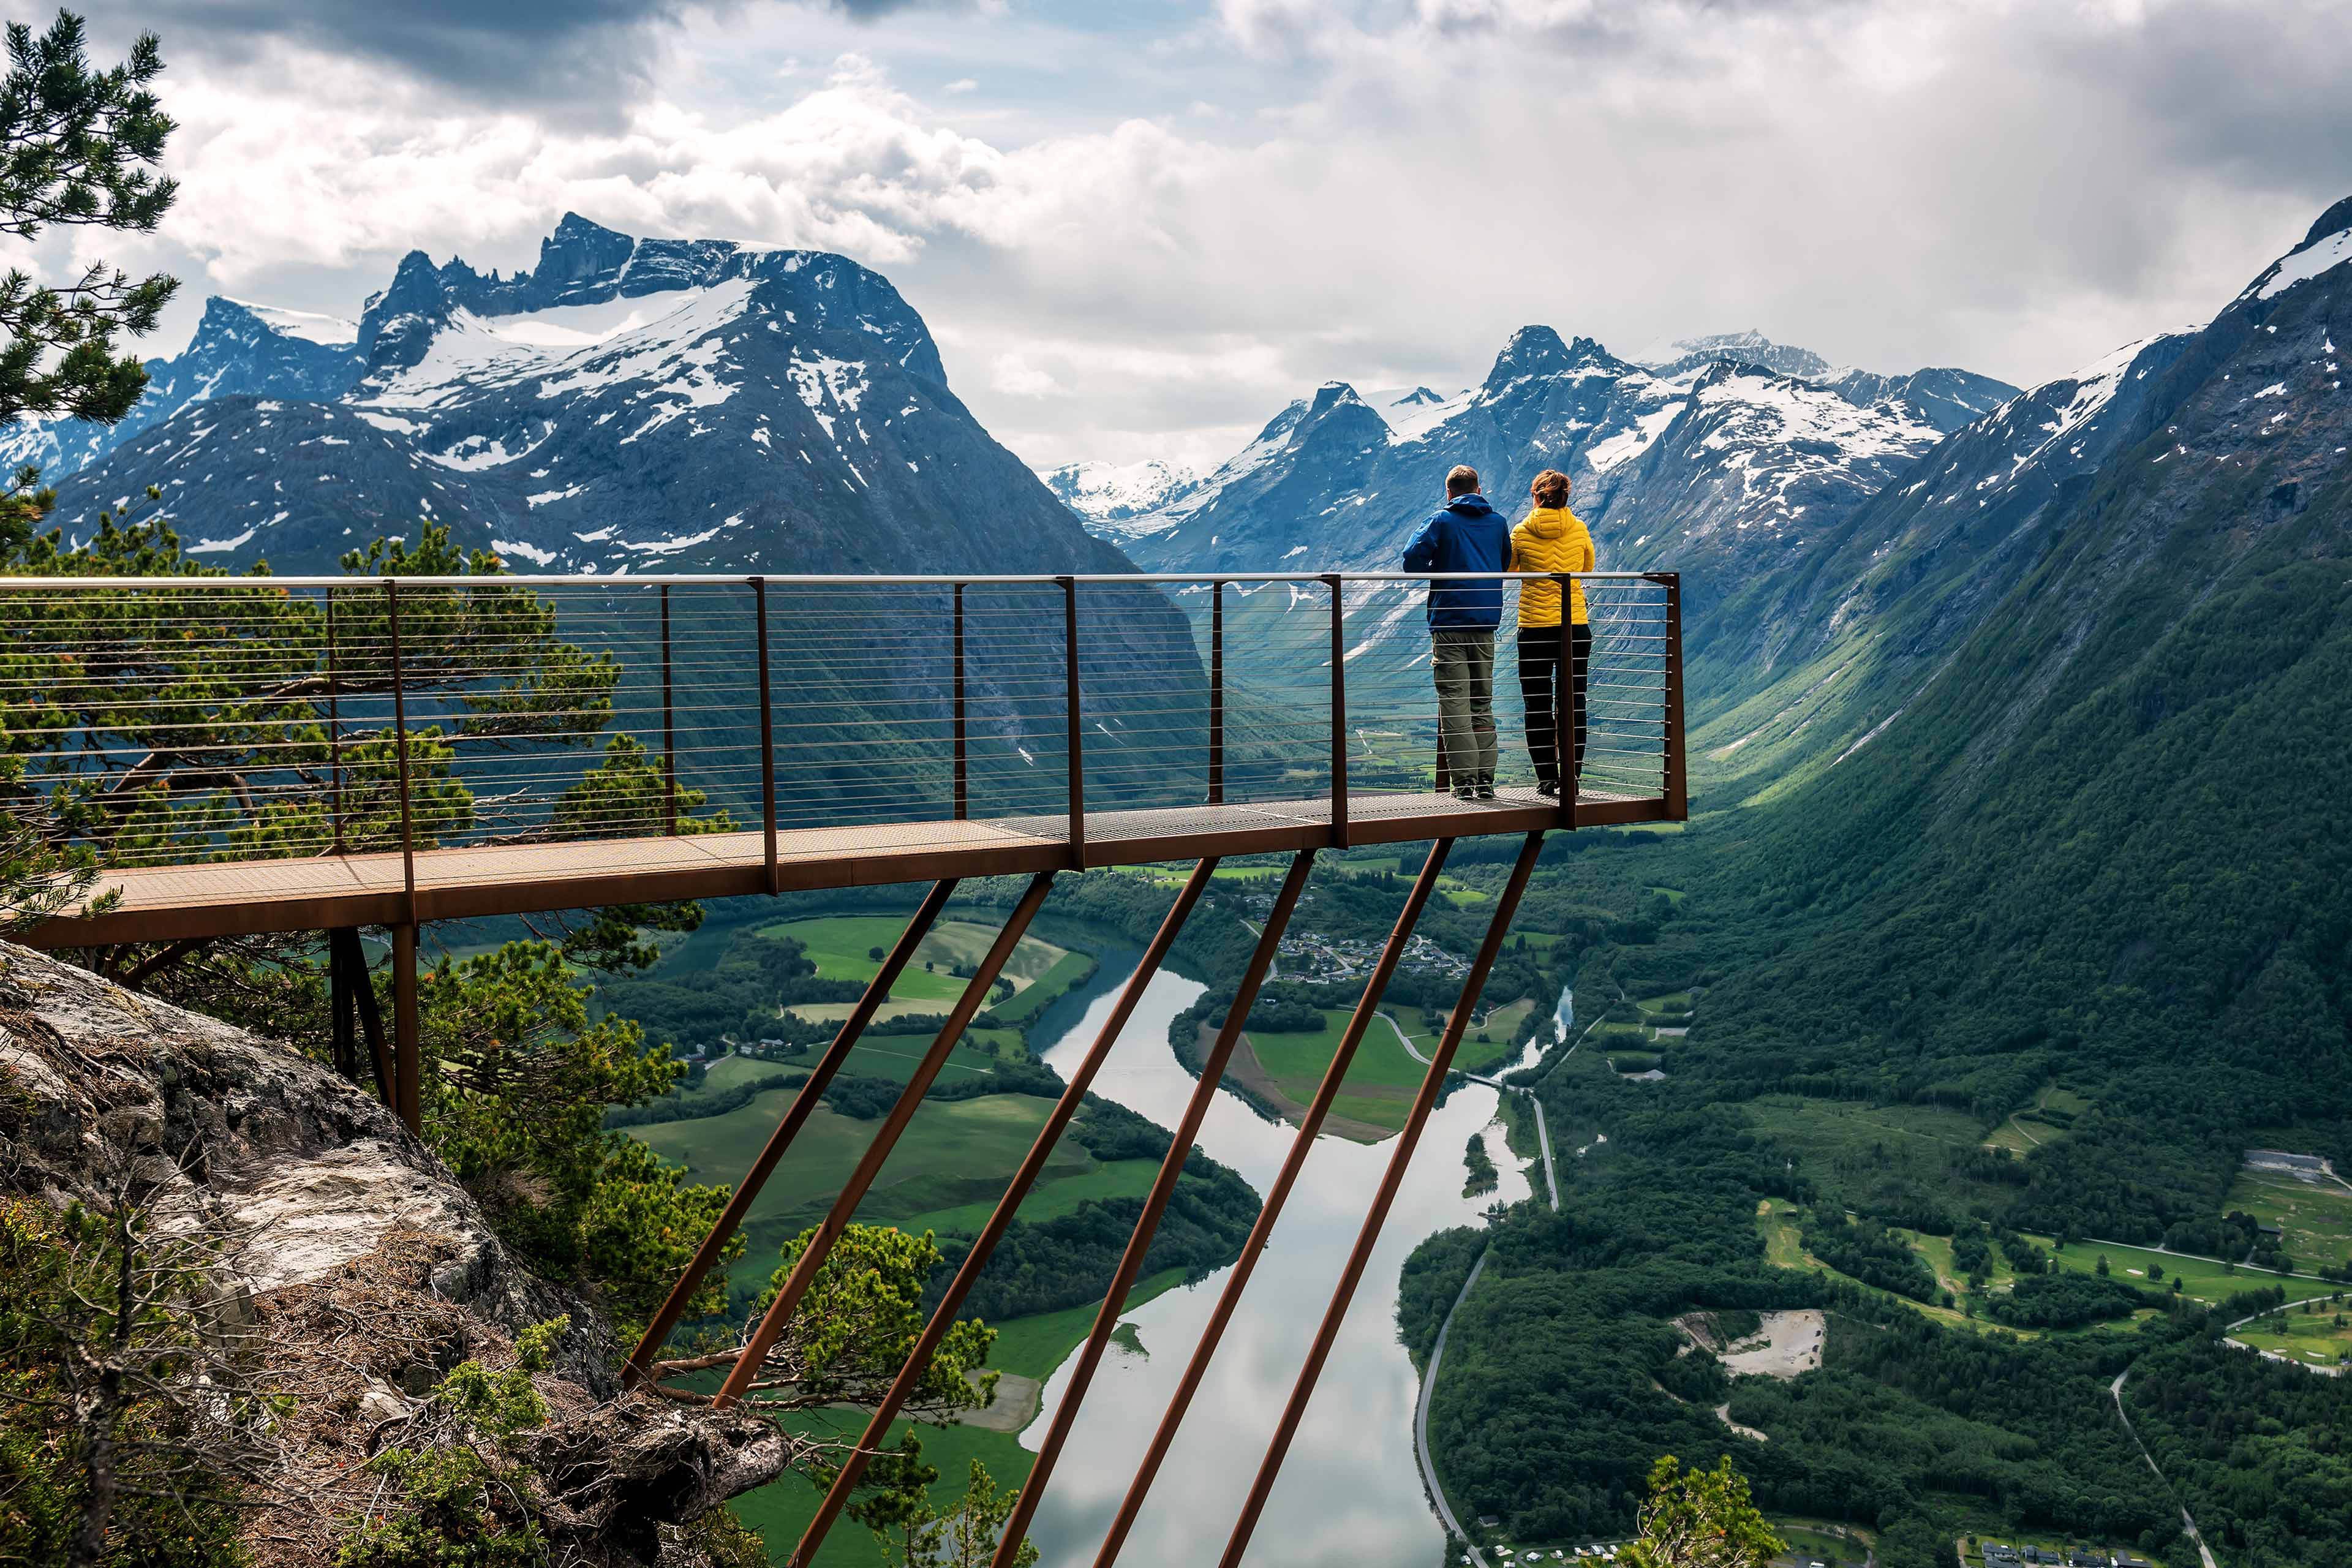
(1462, 658)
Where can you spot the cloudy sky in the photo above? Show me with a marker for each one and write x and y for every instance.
(1139, 228)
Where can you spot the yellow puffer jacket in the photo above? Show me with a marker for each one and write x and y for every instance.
(1551, 538)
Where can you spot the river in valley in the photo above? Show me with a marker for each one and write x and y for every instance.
(1349, 1491)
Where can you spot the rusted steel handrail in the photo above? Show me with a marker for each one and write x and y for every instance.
(767, 739)
(942, 1316)
(669, 727)
(959, 737)
(792, 580)
(1216, 693)
(796, 1115)
(1074, 723)
(1339, 710)
(837, 1220)
(1677, 776)
(1269, 1211)
(400, 743)
(1392, 1178)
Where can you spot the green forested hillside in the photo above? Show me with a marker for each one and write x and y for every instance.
(2014, 898)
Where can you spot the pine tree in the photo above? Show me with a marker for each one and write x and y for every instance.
(78, 147)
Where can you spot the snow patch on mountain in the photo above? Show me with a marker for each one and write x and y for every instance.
(1421, 410)
(2301, 266)
(1112, 493)
(334, 331)
(1605, 455)
(1748, 347)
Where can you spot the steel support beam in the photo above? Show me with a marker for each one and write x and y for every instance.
(340, 1009)
(943, 1317)
(1399, 1156)
(1163, 1186)
(347, 969)
(408, 1072)
(837, 1220)
(796, 1115)
(1237, 1279)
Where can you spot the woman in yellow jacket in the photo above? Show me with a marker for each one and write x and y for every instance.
(1552, 539)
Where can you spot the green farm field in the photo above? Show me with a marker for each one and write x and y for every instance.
(2315, 1218)
(2321, 1338)
(956, 1153)
(1380, 1083)
(840, 947)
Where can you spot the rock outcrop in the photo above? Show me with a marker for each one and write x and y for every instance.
(353, 1254)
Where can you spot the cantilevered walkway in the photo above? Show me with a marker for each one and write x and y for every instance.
(873, 729)
(283, 755)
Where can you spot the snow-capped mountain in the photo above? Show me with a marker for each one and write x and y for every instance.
(645, 404)
(1107, 494)
(237, 349)
(1729, 472)
(1939, 395)
(626, 404)
(1737, 474)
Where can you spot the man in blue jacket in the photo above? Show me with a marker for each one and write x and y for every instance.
(1466, 535)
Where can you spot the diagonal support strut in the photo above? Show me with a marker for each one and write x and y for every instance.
(943, 1317)
(706, 1257)
(1237, 1280)
(1163, 1187)
(869, 1164)
(1392, 1178)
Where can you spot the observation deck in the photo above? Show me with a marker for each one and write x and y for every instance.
(255, 756)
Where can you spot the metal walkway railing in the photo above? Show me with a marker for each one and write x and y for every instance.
(180, 721)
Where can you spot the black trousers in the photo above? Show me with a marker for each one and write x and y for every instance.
(1546, 695)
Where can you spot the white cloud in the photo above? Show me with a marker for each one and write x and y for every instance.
(1383, 192)
(1014, 376)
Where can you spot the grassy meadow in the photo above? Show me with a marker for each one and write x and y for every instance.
(2315, 1218)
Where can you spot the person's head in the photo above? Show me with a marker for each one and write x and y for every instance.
(1549, 488)
(1462, 482)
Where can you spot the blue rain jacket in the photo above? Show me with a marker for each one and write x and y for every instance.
(1468, 535)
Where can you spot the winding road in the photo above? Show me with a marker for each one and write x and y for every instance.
(2117, 1390)
(1543, 1132)
(1421, 1419)
(1437, 1351)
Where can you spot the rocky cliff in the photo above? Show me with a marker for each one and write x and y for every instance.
(343, 1246)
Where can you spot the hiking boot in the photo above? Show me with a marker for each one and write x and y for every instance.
(1485, 791)
(1549, 789)
(1465, 792)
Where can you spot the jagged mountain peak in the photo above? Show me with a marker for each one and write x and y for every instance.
(2334, 220)
(584, 264)
(1332, 395)
(1539, 351)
